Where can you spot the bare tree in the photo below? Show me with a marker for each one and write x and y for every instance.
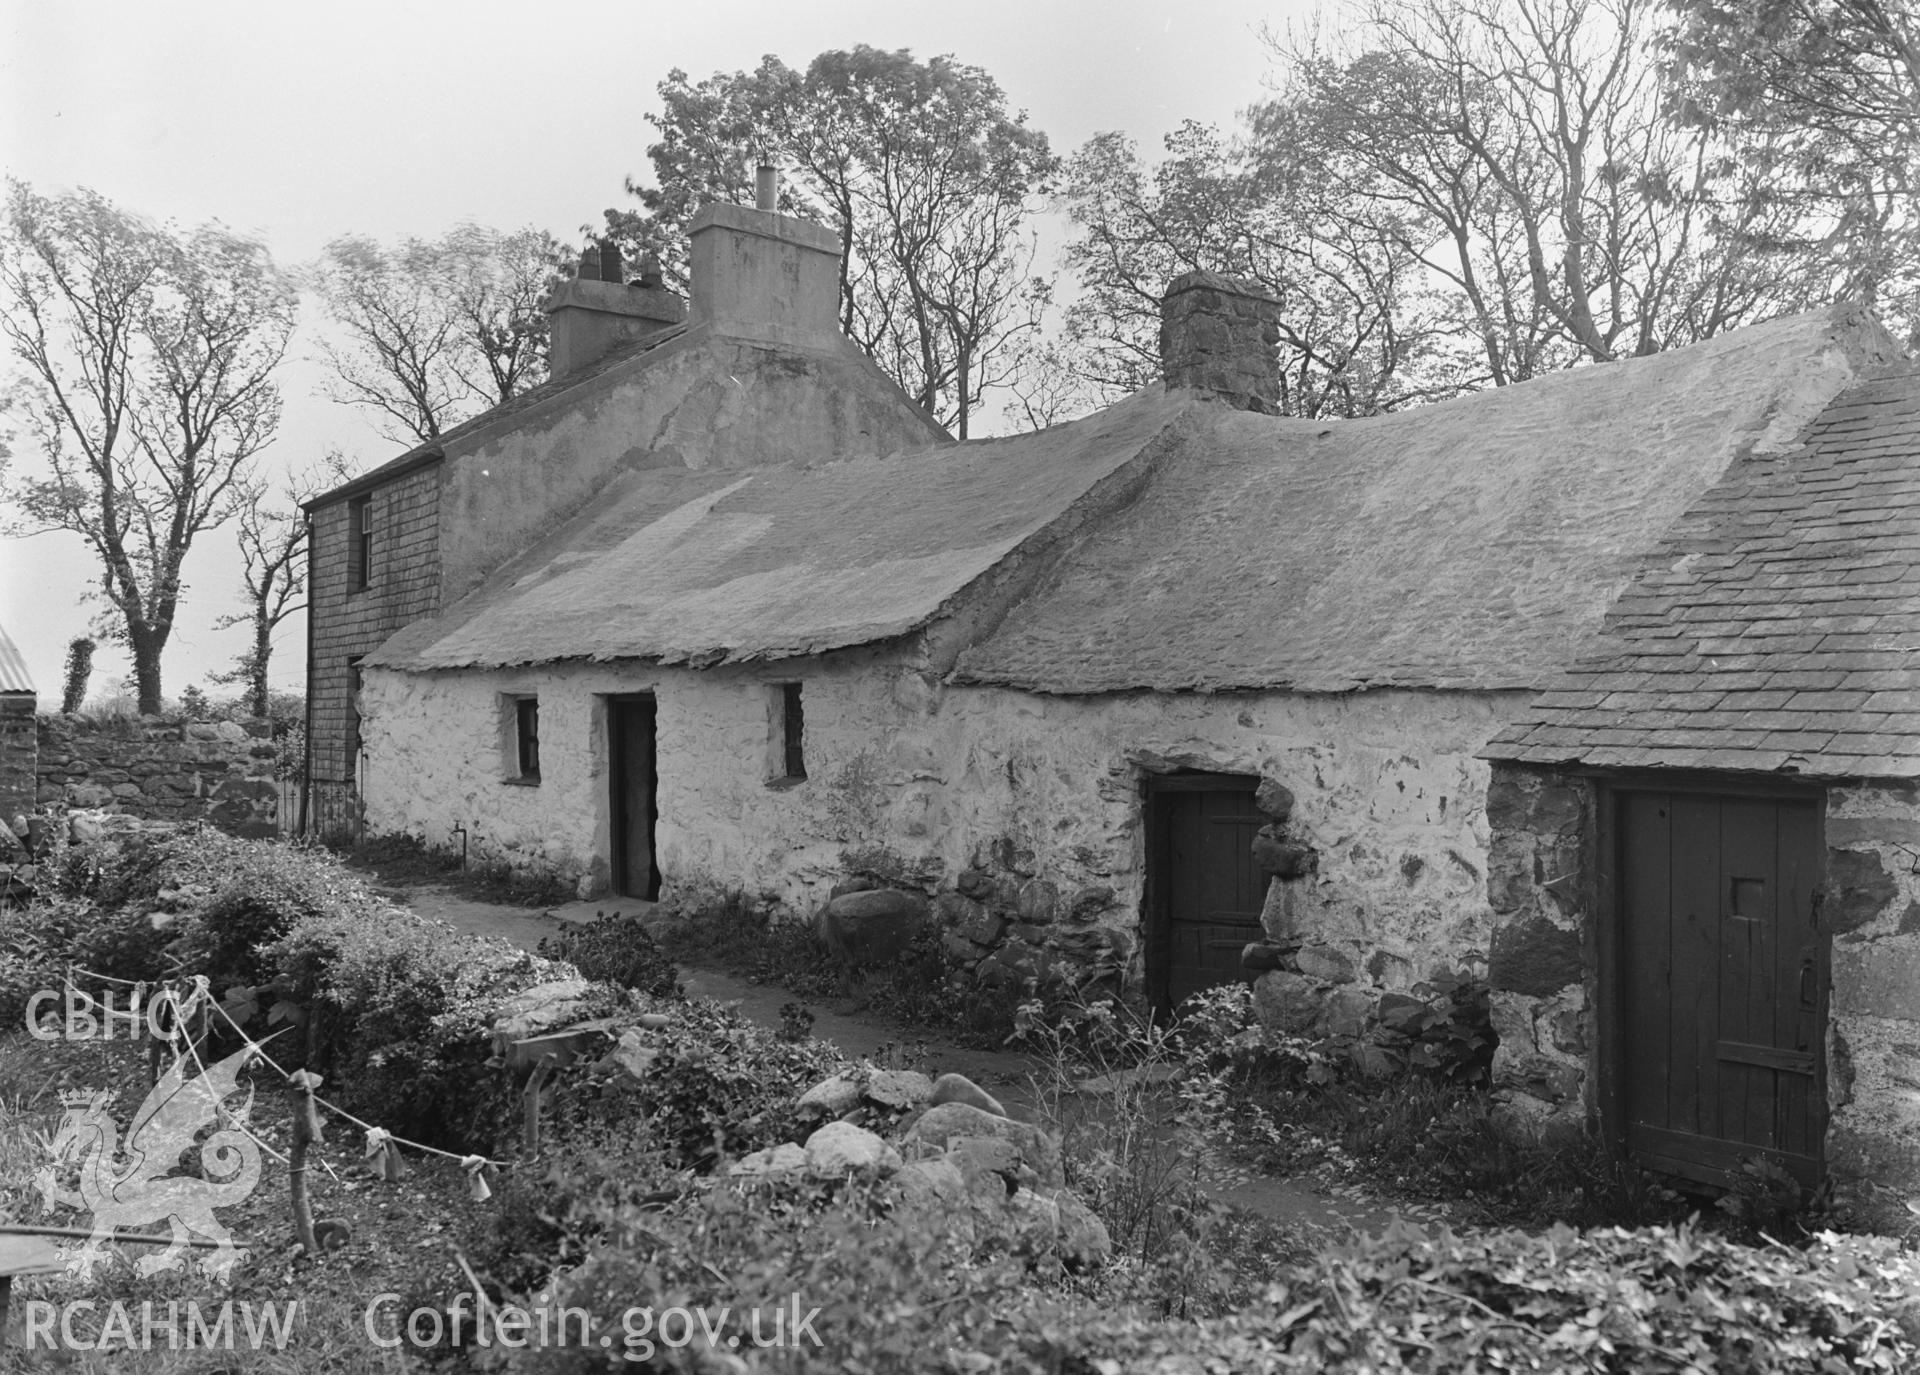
(149, 357)
(1522, 147)
(1825, 96)
(1358, 333)
(274, 538)
(434, 331)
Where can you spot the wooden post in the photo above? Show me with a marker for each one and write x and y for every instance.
(306, 1132)
(531, 1134)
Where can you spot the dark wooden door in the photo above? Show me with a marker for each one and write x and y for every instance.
(1204, 893)
(1723, 977)
(636, 871)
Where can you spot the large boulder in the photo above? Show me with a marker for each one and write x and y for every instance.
(840, 1149)
(874, 927)
(831, 1097)
(783, 1159)
(1287, 1002)
(939, 1127)
(544, 1007)
(899, 1088)
(957, 1088)
(1057, 1221)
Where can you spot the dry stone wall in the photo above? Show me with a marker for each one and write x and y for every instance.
(219, 772)
(19, 751)
(1871, 906)
(1540, 885)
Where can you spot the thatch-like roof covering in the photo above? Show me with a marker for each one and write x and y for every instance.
(1173, 544)
(1469, 544)
(707, 567)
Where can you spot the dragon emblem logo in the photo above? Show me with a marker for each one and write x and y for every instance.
(143, 1184)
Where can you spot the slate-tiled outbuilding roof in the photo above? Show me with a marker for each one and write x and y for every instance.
(1777, 626)
(13, 667)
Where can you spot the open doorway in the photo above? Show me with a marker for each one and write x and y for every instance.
(634, 775)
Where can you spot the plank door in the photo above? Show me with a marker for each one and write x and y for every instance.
(1723, 976)
(1205, 890)
(630, 732)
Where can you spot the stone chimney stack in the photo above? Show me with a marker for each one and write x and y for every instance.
(598, 309)
(764, 276)
(1221, 335)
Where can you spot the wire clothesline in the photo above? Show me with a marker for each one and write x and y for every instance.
(467, 1162)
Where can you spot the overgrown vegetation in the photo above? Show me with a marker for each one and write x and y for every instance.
(406, 861)
(926, 989)
(615, 950)
(631, 1211)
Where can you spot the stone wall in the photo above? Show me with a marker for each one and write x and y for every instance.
(221, 772)
(1019, 816)
(19, 751)
(1540, 968)
(1871, 906)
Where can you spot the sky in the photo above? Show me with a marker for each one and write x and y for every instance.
(296, 124)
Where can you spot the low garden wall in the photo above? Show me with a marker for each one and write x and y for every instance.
(221, 772)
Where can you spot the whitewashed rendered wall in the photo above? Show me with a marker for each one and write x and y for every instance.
(933, 780)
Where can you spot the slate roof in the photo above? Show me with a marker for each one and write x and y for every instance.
(712, 566)
(13, 667)
(1469, 544)
(1776, 628)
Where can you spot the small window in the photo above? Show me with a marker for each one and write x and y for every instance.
(786, 721)
(526, 736)
(360, 552)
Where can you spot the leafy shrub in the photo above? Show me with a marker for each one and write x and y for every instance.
(616, 950)
(715, 1085)
(891, 1296)
(1452, 1036)
(1138, 1121)
(1611, 1300)
(36, 945)
(403, 1008)
(731, 930)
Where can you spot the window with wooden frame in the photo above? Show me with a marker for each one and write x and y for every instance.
(526, 739)
(786, 734)
(360, 550)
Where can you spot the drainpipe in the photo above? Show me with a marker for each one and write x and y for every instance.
(306, 736)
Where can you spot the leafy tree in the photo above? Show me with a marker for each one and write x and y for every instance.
(1825, 94)
(434, 331)
(919, 169)
(149, 358)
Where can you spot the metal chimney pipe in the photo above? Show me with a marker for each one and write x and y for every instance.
(766, 186)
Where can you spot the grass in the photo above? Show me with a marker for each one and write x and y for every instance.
(404, 1236)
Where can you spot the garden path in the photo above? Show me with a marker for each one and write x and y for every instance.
(1327, 1213)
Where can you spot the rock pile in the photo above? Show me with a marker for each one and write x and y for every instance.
(993, 1181)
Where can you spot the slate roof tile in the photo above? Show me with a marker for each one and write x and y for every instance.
(1807, 642)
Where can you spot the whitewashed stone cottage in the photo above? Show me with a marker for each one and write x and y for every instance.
(720, 609)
